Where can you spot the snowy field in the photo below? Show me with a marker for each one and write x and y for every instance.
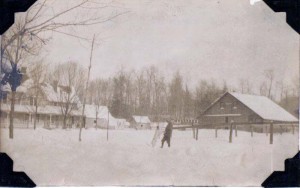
(55, 157)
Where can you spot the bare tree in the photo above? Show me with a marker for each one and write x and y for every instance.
(37, 73)
(263, 90)
(68, 77)
(32, 30)
(242, 85)
(269, 75)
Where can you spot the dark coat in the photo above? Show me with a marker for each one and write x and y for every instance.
(168, 131)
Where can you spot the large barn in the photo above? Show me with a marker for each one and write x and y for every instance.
(244, 109)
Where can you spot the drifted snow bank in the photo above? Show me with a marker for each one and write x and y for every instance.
(55, 157)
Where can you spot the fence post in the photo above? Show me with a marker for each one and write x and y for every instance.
(293, 127)
(267, 131)
(193, 131)
(216, 131)
(280, 129)
(251, 130)
(197, 133)
(271, 132)
(230, 132)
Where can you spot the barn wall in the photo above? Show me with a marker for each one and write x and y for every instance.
(229, 105)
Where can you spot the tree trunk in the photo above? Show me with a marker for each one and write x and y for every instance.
(65, 121)
(96, 120)
(11, 115)
(35, 114)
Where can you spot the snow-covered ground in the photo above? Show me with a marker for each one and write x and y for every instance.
(56, 157)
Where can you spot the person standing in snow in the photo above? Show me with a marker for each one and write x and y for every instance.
(167, 134)
(156, 136)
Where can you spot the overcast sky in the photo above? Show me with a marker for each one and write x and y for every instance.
(203, 39)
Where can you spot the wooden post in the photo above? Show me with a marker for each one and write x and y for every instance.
(230, 133)
(7, 118)
(194, 136)
(107, 125)
(293, 127)
(29, 117)
(83, 121)
(235, 130)
(251, 130)
(280, 129)
(271, 132)
(267, 131)
(197, 130)
(216, 132)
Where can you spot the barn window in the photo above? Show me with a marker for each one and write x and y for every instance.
(222, 105)
(234, 105)
(251, 118)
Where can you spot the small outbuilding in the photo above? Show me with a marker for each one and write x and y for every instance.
(100, 117)
(140, 122)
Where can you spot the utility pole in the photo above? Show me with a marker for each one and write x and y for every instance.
(86, 87)
(107, 124)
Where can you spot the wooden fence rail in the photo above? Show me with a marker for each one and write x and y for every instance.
(269, 128)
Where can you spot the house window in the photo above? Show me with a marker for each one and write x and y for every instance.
(222, 105)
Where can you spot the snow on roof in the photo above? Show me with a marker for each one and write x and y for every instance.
(264, 107)
(53, 110)
(103, 113)
(90, 111)
(23, 88)
(50, 94)
(141, 119)
(59, 95)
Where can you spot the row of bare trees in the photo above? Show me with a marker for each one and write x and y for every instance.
(146, 92)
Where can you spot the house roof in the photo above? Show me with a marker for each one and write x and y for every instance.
(264, 107)
(141, 119)
(59, 95)
(103, 113)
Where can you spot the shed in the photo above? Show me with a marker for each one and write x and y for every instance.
(103, 117)
(141, 122)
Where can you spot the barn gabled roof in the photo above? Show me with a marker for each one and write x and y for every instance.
(264, 107)
(141, 119)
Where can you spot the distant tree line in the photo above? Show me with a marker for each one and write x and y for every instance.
(147, 92)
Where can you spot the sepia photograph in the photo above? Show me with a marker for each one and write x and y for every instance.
(149, 92)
